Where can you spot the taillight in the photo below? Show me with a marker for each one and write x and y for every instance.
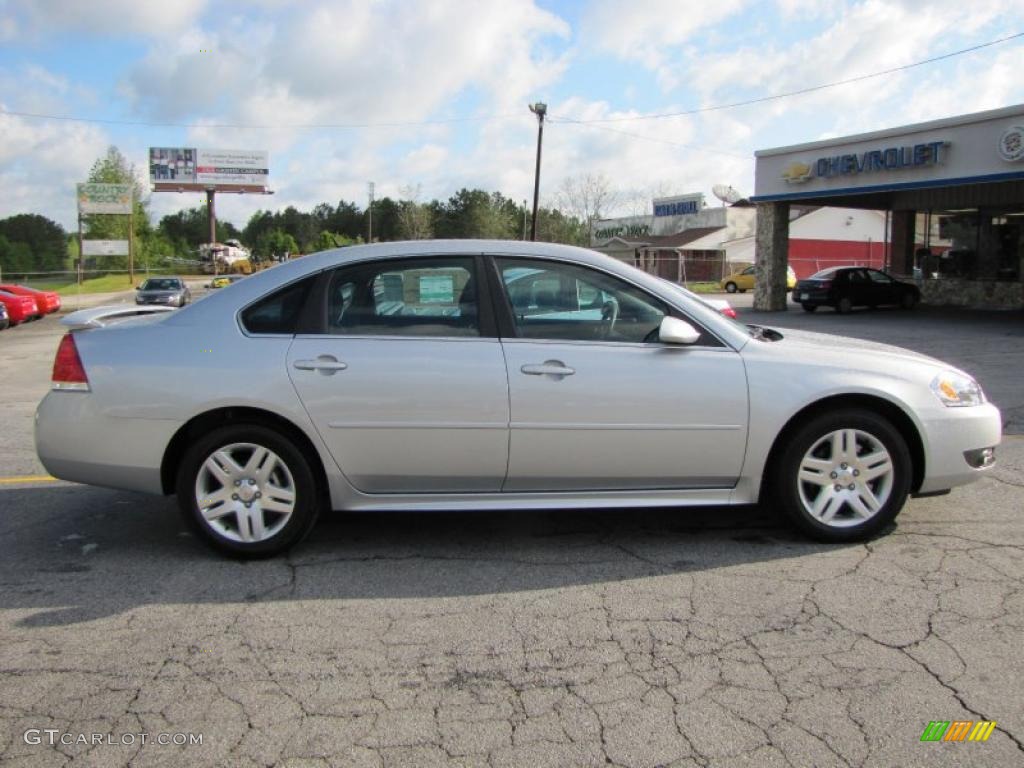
(68, 372)
(729, 312)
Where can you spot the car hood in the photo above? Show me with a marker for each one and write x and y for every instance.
(856, 353)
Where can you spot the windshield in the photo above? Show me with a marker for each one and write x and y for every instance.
(161, 284)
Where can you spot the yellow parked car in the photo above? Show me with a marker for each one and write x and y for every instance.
(224, 280)
(744, 280)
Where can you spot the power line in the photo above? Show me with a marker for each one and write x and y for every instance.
(801, 91)
(486, 118)
(294, 126)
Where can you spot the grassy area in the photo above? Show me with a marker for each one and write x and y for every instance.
(104, 284)
(704, 287)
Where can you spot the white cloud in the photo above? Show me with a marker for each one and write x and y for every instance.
(40, 164)
(105, 18)
(652, 32)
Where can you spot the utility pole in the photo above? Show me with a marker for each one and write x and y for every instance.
(369, 212)
(211, 215)
(525, 209)
(539, 109)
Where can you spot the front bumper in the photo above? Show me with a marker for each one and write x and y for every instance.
(954, 438)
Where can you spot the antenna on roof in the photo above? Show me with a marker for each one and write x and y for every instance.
(726, 193)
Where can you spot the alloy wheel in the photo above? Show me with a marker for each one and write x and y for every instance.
(245, 492)
(845, 478)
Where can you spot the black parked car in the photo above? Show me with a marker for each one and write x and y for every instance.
(847, 287)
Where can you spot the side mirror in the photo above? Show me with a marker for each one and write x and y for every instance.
(138, 287)
(676, 331)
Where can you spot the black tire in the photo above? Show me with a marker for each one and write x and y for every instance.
(730, 287)
(304, 485)
(809, 307)
(786, 486)
(844, 306)
(908, 300)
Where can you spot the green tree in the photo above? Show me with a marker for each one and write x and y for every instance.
(329, 240)
(275, 244)
(44, 239)
(114, 168)
(15, 258)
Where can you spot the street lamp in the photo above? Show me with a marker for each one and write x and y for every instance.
(539, 109)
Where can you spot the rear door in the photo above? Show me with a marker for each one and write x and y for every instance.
(406, 383)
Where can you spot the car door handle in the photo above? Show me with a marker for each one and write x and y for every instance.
(325, 364)
(548, 368)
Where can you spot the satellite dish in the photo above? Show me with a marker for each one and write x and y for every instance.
(726, 193)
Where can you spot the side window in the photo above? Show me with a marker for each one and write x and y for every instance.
(551, 300)
(280, 311)
(749, 271)
(879, 277)
(414, 297)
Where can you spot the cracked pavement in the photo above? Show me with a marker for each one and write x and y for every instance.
(639, 638)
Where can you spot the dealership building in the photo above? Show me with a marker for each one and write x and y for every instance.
(951, 192)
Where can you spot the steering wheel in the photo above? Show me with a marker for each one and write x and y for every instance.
(609, 314)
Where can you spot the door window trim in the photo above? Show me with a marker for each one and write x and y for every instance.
(316, 315)
(506, 317)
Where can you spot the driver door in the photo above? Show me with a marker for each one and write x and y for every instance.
(597, 402)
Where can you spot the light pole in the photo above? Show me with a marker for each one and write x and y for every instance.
(539, 109)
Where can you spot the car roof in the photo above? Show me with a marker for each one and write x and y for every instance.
(214, 306)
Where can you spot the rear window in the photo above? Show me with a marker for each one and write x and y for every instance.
(280, 311)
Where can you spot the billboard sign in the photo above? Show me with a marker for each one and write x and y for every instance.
(104, 247)
(188, 167)
(104, 198)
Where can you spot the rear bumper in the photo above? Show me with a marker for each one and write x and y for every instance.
(76, 442)
(813, 297)
(951, 440)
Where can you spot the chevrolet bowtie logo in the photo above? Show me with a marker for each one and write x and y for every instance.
(797, 172)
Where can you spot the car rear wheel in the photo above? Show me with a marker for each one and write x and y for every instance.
(809, 307)
(730, 287)
(844, 305)
(249, 491)
(908, 300)
(843, 476)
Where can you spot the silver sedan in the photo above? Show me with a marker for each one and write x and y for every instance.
(496, 375)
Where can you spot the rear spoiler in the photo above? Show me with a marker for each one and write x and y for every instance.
(98, 317)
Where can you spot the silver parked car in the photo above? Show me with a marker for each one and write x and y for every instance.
(494, 375)
(171, 291)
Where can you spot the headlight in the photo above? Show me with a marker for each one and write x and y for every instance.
(956, 390)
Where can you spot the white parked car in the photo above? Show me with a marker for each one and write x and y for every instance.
(485, 375)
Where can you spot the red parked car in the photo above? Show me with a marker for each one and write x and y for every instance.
(19, 308)
(47, 301)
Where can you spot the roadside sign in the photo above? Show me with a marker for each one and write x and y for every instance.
(104, 247)
(104, 198)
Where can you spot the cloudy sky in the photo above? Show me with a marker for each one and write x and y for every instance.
(434, 94)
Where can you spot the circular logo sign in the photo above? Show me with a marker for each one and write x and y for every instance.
(1011, 144)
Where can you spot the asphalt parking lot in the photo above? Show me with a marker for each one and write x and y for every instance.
(661, 637)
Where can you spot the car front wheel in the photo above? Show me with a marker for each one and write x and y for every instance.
(249, 491)
(843, 476)
(730, 287)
